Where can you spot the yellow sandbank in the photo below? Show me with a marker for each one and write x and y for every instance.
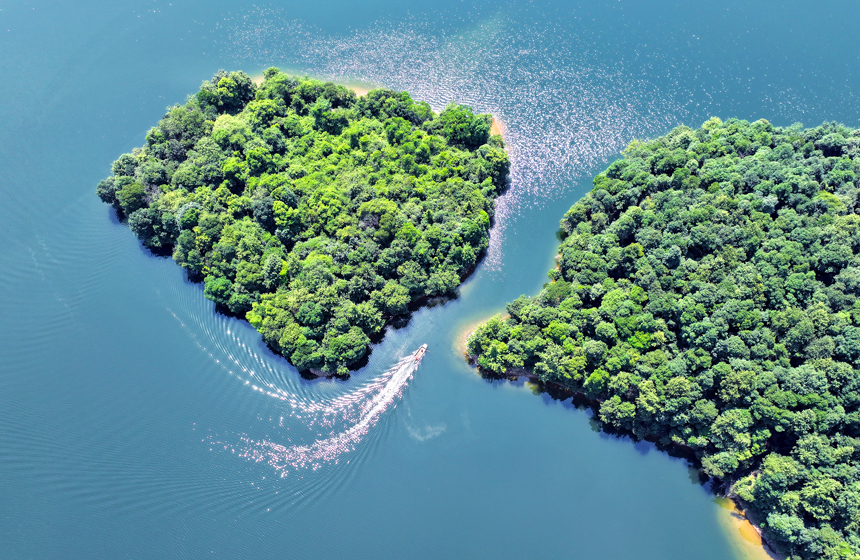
(466, 329)
(359, 89)
(744, 538)
(497, 127)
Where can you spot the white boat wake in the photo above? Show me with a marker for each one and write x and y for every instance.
(385, 390)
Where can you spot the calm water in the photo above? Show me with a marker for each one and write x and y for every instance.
(137, 423)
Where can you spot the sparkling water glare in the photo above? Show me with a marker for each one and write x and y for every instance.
(568, 98)
(567, 101)
(118, 376)
(562, 111)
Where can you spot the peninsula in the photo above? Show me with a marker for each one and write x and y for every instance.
(315, 214)
(708, 298)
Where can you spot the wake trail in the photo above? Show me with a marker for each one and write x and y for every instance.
(230, 353)
(388, 389)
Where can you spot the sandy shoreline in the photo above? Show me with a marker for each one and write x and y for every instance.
(744, 537)
(358, 89)
(467, 329)
(497, 127)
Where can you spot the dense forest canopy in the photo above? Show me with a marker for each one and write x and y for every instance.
(316, 214)
(707, 297)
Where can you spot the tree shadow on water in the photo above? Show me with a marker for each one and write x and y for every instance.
(552, 393)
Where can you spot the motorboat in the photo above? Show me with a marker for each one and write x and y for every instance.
(420, 353)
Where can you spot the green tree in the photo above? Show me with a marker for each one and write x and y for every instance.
(310, 211)
(706, 297)
(131, 197)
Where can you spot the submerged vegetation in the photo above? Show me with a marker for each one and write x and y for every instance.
(708, 297)
(316, 214)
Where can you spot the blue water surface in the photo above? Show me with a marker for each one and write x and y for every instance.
(135, 422)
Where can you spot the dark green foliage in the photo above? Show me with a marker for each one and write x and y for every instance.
(460, 127)
(707, 297)
(316, 214)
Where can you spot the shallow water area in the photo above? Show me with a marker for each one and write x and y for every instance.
(745, 539)
(136, 421)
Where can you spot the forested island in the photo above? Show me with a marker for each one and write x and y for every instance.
(316, 214)
(706, 298)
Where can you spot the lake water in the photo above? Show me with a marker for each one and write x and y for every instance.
(135, 422)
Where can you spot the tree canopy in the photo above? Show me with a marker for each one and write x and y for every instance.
(707, 297)
(315, 214)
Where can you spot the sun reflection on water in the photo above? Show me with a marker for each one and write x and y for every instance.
(564, 109)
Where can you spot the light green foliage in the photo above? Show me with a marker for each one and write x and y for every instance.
(707, 296)
(315, 214)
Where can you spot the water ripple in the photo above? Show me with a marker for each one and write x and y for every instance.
(564, 110)
(367, 411)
